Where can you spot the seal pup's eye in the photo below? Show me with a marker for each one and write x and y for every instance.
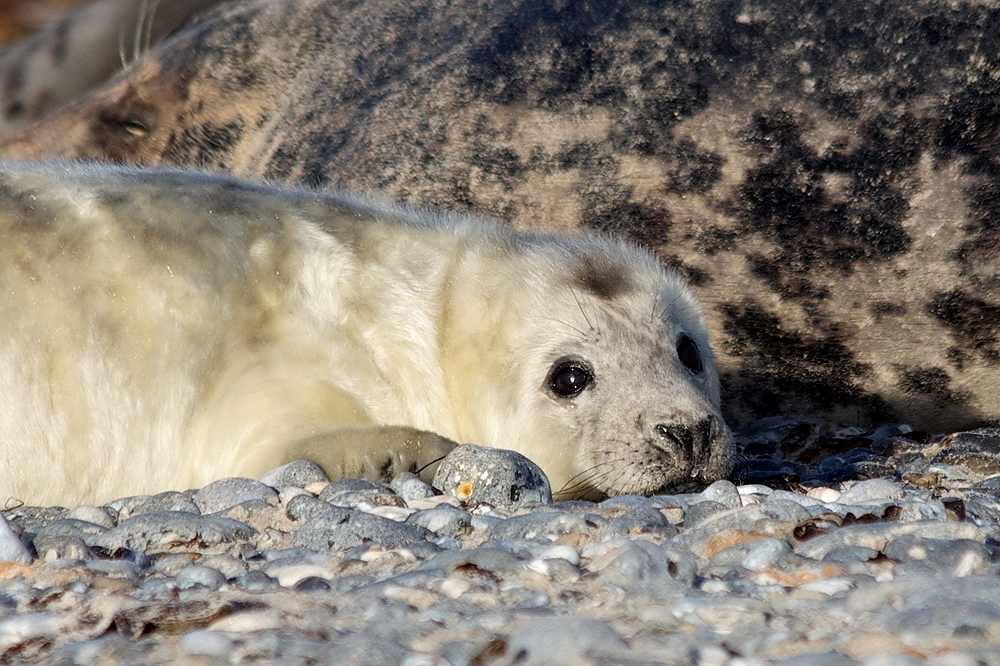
(687, 352)
(568, 378)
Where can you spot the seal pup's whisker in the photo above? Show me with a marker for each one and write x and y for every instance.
(615, 488)
(590, 479)
(582, 333)
(586, 476)
(121, 48)
(432, 462)
(580, 305)
(148, 38)
(140, 27)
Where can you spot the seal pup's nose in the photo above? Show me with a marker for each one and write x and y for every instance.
(694, 440)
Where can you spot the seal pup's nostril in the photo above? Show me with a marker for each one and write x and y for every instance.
(695, 441)
(677, 434)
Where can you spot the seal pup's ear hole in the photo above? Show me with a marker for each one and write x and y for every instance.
(687, 352)
(568, 377)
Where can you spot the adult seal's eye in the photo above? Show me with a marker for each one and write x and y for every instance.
(687, 352)
(568, 378)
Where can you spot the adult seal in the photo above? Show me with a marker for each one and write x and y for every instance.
(161, 329)
(835, 215)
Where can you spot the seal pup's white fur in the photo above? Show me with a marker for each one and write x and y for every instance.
(160, 329)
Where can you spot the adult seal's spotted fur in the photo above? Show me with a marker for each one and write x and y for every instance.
(827, 180)
(81, 50)
(161, 329)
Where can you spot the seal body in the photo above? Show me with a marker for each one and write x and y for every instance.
(833, 214)
(162, 329)
(80, 50)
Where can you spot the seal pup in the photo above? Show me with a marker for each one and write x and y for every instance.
(834, 216)
(162, 329)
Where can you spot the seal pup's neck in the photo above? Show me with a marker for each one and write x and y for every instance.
(439, 308)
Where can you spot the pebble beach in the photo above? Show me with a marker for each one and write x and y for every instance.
(829, 547)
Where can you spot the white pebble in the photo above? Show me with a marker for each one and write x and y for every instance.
(19, 628)
(753, 489)
(397, 513)
(711, 655)
(455, 587)
(764, 554)
(11, 547)
(952, 659)
(207, 643)
(316, 487)
(433, 502)
(824, 494)
(290, 574)
(715, 587)
(560, 552)
(254, 620)
(871, 489)
(92, 514)
(829, 586)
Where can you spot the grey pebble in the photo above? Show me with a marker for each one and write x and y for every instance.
(500, 477)
(32, 518)
(411, 487)
(121, 569)
(494, 560)
(256, 581)
(166, 501)
(974, 450)
(350, 493)
(52, 547)
(206, 643)
(168, 531)
(227, 565)
(86, 531)
(959, 557)
(170, 564)
(541, 525)
(307, 507)
(224, 493)
(699, 512)
(297, 473)
(871, 489)
(848, 554)
(764, 553)
(93, 514)
(784, 495)
(876, 536)
(199, 575)
(322, 534)
(725, 493)
(445, 520)
(256, 513)
(564, 640)
(642, 564)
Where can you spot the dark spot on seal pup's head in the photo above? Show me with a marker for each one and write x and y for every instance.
(601, 277)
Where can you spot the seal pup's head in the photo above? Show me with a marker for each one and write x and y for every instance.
(593, 360)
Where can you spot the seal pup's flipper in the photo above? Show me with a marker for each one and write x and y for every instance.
(377, 453)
